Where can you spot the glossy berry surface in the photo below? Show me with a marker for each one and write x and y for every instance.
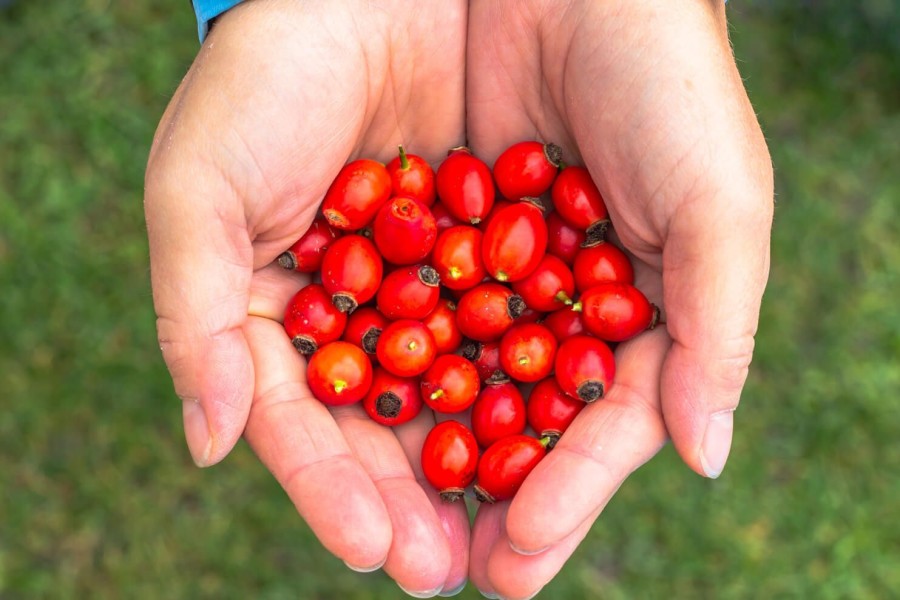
(356, 194)
(584, 367)
(450, 459)
(311, 320)
(505, 464)
(339, 373)
(450, 385)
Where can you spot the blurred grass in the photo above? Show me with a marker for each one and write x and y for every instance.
(100, 500)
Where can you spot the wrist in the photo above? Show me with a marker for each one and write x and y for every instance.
(207, 10)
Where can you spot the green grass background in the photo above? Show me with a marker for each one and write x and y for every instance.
(98, 498)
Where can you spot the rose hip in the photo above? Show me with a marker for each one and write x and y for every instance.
(450, 385)
(311, 320)
(305, 255)
(339, 373)
(412, 176)
(564, 323)
(505, 464)
(550, 410)
(450, 459)
(486, 358)
(527, 351)
(526, 169)
(408, 293)
(363, 328)
(442, 323)
(616, 312)
(550, 286)
(356, 194)
(465, 185)
(486, 311)
(351, 271)
(404, 231)
(498, 412)
(392, 400)
(514, 241)
(600, 263)
(584, 367)
(578, 201)
(563, 240)
(457, 257)
(406, 348)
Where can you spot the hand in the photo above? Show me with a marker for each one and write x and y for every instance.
(281, 96)
(647, 96)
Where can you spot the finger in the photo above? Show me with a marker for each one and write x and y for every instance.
(488, 527)
(713, 280)
(200, 266)
(453, 516)
(419, 557)
(513, 575)
(296, 437)
(607, 441)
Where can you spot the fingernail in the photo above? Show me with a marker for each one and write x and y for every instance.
(414, 594)
(527, 552)
(717, 443)
(196, 432)
(365, 569)
(489, 595)
(453, 592)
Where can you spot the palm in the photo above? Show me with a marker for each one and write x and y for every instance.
(626, 93)
(236, 174)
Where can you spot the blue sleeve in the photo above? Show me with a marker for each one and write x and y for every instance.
(207, 10)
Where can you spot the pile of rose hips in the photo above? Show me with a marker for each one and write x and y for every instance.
(490, 293)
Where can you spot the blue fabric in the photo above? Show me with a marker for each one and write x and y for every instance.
(207, 10)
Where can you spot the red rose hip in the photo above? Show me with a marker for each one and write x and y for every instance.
(526, 169)
(505, 464)
(527, 351)
(584, 367)
(450, 459)
(406, 348)
(305, 255)
(514, 241)
(408, 293)
(339, 373)
(404, 230)
(465, 185)
(550, 410)
(617, 312)
(311, 320)
(392, 400)
(450, 385)
(412, 176)
(498, 412)
(579, 202)
(486, 311)
(356, 194)
(351, 271)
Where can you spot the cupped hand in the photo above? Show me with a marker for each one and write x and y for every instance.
(647, 96)
(280, 97)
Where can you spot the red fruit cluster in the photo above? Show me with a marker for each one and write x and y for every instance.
(457, 289)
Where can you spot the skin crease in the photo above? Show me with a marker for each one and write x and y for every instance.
(283, 93)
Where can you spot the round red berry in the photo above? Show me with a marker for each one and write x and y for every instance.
(450, 459)
(339, 373)
(505, 464)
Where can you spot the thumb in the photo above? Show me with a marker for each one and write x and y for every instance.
(715, 267)
(201, 262)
